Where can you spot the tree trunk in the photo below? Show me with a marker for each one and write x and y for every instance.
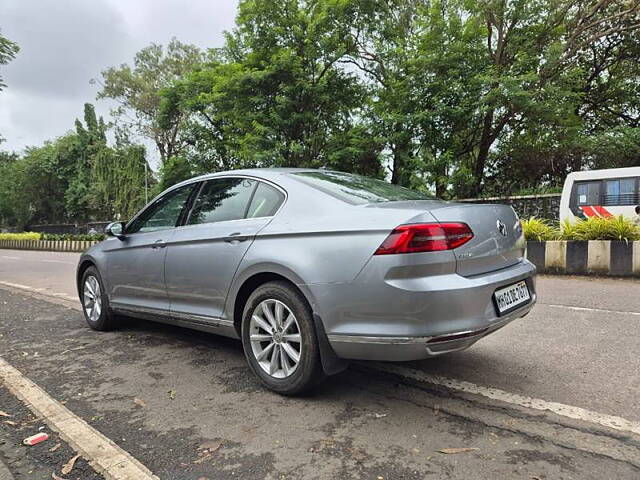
(401, 155)
(483, 152)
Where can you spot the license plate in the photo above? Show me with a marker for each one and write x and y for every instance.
(511, 297)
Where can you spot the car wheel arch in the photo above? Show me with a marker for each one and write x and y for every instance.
(82, 267)
(331, 364)
(250, 284)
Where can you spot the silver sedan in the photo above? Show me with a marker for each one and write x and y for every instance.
(312, 268)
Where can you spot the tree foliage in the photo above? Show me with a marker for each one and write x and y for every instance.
(137, 90)
(8, 51)
(75, 178)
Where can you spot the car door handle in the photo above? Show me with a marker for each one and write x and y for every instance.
(235, 237)
(158, 244)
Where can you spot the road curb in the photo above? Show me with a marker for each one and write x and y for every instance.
(103, 454)
(593, 257)
(48, 245)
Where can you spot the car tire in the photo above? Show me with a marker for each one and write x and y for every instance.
(95, 309)
(279, 338)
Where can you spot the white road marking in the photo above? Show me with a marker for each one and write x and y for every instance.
(17, 285)
(57, 261)
(569, 411)
(587, 309)
(10, 258)
(41, 291)
(103, 454)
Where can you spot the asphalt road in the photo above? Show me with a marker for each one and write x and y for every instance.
(579, 347)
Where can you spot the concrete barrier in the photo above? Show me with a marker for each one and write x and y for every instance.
(595, 257)
(49, 245)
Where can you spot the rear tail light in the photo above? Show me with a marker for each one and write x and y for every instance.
(425, 237)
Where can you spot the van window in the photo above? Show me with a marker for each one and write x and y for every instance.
(620, 192)
(588, 193)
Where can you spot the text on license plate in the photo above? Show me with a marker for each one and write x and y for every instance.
(509, 297)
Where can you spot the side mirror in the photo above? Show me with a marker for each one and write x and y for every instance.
(115, 229)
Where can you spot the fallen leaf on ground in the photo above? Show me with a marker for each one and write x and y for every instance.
(139, 402)
(55, 447)
(67, 467)
(172, 394)
(449, 451)
(4, 414)
(56, 477)
(207, 449)
(9, 422)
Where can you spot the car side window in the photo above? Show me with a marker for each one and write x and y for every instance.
(221, 200)
(163, 213)
(265, 202)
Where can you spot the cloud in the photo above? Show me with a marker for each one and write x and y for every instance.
(200, 22)
(66, 43)
(63, 44)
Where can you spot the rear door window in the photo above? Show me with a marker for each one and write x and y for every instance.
(222, 199)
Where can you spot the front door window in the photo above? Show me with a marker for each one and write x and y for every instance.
(163, 214)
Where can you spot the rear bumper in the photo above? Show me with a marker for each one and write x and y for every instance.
(416, 318)
(360, 347)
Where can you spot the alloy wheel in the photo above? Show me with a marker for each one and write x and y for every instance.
(92, 298)
(275, 338)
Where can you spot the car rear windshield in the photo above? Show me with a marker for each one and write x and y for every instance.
(358, 190)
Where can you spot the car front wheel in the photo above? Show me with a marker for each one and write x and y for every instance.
(95, 303)
(279, 339)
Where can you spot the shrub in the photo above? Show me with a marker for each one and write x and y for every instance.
(68, 236)
(20, 236)
(539, 230)
(596, 228)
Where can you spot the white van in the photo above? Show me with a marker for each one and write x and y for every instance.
(601, 193)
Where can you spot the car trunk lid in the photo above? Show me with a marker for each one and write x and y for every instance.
(497, 242)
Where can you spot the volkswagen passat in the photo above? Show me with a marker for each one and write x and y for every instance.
(312, 268)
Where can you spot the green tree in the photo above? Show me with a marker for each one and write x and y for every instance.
(14, 210)
(533, 67)
(91, 141)
(137, 90)
(8, 51)
(275, 95)
(381, 40)
(174, 170)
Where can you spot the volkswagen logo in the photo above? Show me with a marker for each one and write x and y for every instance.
(502, 228)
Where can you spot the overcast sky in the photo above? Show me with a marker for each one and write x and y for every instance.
(66, 43)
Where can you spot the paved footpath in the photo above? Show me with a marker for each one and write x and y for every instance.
(184, 404)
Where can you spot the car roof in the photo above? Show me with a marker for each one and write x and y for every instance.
(270, 173)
